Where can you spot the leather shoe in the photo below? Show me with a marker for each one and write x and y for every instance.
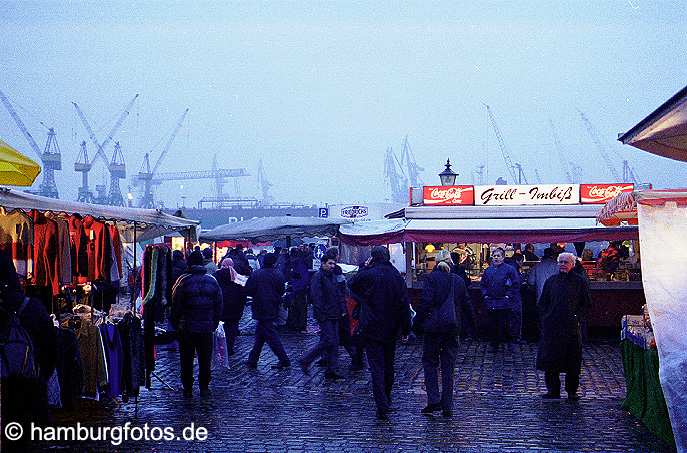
(205, 393)
(304, 367)
(447, 413)
(188, 393)
(321, 363)
(251, 365)
(382, 415)
(430, 408)
(281, 365)
(573, 397)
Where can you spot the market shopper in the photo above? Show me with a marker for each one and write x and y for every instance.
(179, 265)
(298, 277)
(500, 286)
(439, 315)
(328, 307)
(266, 286)
(563, 303)
(384, 317)
(234, 301)
(210, 266)
(542, 271)
(196, 311)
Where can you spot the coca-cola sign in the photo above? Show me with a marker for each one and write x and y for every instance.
(602, 193)
(448, 195)
(529, 194)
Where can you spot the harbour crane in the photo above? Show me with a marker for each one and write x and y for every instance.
(264, 184)
(83, 165)
(145, 176)
(559, 151)
(395, 180)
(408, 160)
(50, 157)
(537, 177)
(116, 166)
(514, 168)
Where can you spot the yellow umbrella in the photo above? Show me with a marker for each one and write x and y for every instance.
(15, 168)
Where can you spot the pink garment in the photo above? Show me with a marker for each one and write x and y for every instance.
(228, 263)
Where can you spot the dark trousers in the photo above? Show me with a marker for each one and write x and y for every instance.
(266, 332)
(468, 327)
(328, 346)
(231, 331)
(298, 313)
(553, 382)
(189, 344)
(380, 359)
(499, 321)
(439, 349)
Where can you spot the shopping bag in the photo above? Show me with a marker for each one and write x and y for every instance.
(220, 358)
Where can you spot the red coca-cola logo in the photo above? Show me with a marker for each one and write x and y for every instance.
(601, 193)
(448, 195)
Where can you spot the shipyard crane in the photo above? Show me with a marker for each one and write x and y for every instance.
(599, 145)
(146, 174)
(264, 184)
(394, 179)
(515, 169)
(83, 166)
(537, 177)
(50, 157)
(479, 174)
(559, 151)
(115, 166)
(408, 159)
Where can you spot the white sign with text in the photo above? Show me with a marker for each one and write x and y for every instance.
(531, 194)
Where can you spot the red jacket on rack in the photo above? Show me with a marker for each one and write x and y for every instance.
(99, 249)
(117, 245)
(79, 242)
(45, 252)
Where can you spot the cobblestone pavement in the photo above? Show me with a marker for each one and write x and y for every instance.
(497, 407)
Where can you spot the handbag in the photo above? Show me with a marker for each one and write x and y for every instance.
(442, 318)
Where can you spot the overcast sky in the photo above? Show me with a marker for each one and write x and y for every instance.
(319, 90)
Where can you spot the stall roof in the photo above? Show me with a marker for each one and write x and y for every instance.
(664, 131)
(150, 223)
(265, 229)
(624, 206)
(513, 225)
(496, 212)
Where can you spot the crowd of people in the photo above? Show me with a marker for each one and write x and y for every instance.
(370, 312)
(366, 314)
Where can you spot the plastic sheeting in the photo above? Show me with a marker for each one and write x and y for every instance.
(266, 229)
(662, 233)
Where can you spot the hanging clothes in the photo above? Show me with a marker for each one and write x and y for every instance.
(63, 248)
(99, 249)
(117, 246)
(133, 368)
(69, 368)
(88, 350)
(46, 252)
(79, 246)
(114, 357)
(16, 235)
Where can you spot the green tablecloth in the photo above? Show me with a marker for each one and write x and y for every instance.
(644, 397)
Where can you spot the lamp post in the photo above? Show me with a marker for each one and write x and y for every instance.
(448, 176)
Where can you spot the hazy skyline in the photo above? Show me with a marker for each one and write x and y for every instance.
(319, 90)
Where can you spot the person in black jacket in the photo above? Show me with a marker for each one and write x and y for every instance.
(328, 306)
(234, 296)
(384, 316)
(266, 286)
(441, 329)
(196, 311)
(179, 265)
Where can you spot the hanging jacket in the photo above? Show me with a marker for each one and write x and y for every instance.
(117, 246)
(16, 236)
(46, 252)
(63, 248)
(99, 249)
(79, 243)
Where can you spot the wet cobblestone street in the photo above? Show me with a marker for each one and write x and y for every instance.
(497, 406)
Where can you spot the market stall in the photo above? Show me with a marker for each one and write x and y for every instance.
(485, 216)
(70, 256)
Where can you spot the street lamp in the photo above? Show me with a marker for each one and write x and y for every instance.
(448, 176)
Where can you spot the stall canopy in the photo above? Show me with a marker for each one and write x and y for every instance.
(15, 168)
(272, 228)
(150, 223)
(664, 131)
(488, 224)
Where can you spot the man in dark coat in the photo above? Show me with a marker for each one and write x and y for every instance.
(563, 303)
(196, 311)
(179, 265)
(384, 317)
(234, 298)
(298, 276)
(266, 286)
(440, 334)
(328, 307)
(500, 286)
